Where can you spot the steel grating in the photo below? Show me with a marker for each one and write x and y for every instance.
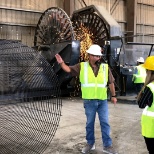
(30, 106)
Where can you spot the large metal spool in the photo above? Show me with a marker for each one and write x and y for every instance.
(30, 107)
(89, 29)
(54, 34)
(54, 26)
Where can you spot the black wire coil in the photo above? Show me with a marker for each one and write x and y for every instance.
(30, 106)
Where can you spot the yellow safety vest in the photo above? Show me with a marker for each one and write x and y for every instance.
(147, 120)
(141, 74)
(93, 87)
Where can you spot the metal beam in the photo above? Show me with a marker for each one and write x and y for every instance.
(137, 43)
(69, 7)
(19, 9)
(131, 19)
(114, 6)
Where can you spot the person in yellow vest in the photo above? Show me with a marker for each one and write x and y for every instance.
(139, 75)
(145, 100)
(94, 78)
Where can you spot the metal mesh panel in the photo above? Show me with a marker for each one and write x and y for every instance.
(30, 107)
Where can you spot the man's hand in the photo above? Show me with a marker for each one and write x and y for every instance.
(114, 100)
(62, 64)
(59, 59)
(113, 96)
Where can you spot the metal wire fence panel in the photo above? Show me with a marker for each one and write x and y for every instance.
(30, 106)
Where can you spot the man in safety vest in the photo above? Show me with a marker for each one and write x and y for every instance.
(94, 79)
(140, 75)
(146, 100)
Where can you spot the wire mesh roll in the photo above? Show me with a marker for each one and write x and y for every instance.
(30, 106)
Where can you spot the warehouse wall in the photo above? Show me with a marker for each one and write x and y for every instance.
(145, 22)
(20, 17)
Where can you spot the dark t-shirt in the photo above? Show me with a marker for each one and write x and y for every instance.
(75, 71)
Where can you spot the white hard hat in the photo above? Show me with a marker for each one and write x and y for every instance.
(141, 59)
(95, 50)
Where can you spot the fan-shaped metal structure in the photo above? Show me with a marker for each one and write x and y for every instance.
(30, 107)
(89, 29)
(54, 26)
(89, 23)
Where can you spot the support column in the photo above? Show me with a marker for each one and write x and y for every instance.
(69, 7)
(131, 19)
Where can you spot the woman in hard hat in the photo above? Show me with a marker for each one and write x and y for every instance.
(145, 100)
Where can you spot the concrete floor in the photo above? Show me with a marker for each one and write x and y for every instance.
(125, 129)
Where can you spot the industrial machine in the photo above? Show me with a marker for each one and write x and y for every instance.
(57, 33)
(131, 52)
(54, 34)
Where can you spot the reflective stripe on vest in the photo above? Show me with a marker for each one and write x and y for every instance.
(147, 113)
(147, 120)
(86, 84)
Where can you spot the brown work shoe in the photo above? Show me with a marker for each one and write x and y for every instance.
(109, 150)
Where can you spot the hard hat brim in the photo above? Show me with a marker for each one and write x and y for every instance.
(94, 53)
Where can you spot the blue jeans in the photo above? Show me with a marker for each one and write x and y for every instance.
(101, 107)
